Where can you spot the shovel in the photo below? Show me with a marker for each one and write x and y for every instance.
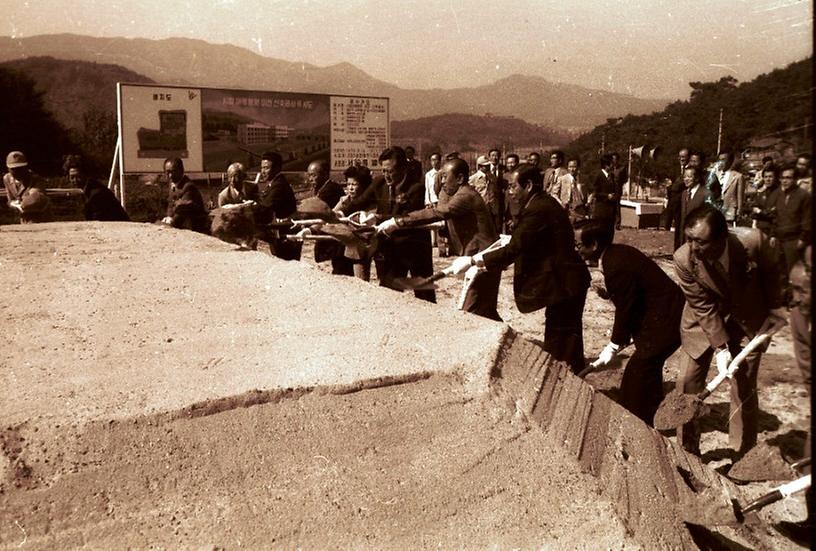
(679, 408)
(780, 492)
(426, 283)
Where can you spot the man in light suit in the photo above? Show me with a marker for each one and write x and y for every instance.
(731, 284)
(732, 188)
(471, 229)
(555, 171)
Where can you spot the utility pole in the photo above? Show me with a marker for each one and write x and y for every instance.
(719, 133)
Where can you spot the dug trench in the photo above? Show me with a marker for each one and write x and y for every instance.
(187, 395)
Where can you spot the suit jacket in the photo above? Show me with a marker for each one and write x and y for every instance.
(606, 197)
(793, 215)
(548, 269)
(102, 204)
(185, 206)
(330, 193)
(765, 201)
(405, 197)
(648, 304)
(275, 200)
(414, 168)
(567, 192)
(715, 315)
(470, 224)
(732, 194)
(551, 176)
(686, 206)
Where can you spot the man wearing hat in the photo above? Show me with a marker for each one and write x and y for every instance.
(30, 201)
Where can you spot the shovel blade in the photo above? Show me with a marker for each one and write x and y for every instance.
(677, 409)
(412, 284)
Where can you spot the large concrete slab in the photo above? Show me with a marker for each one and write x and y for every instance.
(115, 320)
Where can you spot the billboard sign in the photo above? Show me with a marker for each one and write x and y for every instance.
(208, 128)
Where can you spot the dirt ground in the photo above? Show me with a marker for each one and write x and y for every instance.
(115, 434)
(161, 389)
(323, 472)
(785, 405)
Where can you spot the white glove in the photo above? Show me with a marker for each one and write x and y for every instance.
(478, 260)
(304, 232)
(368, 218)
(606, 355)
(723, 358)
(460, 265)
(167, 220)
(16, 205)
(387, 226)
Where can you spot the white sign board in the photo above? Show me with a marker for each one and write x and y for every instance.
(208, 128)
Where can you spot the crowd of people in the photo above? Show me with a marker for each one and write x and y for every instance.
(735, 280)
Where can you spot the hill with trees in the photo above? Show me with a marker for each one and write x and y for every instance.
(778, 103)
(463, 132)
(28, 125)
(80, 97)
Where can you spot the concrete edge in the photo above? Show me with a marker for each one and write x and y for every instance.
(644, 475)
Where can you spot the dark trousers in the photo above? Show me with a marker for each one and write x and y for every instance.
(642, 384)
(285, 249)
(414, 257)
(483, 295)
(564, 332)
(671, 215)
(743, 423)
(790, 254)
(342, 266)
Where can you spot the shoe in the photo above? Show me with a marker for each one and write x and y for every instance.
(798, 532)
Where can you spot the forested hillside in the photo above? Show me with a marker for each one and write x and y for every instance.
(771, 104)
(462, 132)
(78, 96)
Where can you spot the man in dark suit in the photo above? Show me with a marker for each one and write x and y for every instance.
(605, 197)
(394, 194)
(330, 192)
(731, 284)
(648, 306)
(620, 174)
(792, 225)
(495, 174)
(549, 273)
(671, 216)
(185, 205)
(694, 194)
(276, 199)
(470, 227)
(414, 166)
(100, 202)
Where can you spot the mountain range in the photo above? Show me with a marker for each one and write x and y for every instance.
(189, 62)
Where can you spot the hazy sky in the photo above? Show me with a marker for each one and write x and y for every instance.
(649, 48)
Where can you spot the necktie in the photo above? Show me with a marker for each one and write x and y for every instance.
(719, 276)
